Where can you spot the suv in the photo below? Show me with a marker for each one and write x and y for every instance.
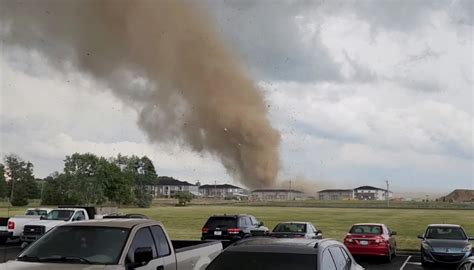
(231, 227)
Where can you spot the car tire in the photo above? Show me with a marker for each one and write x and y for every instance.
(423, 262)
(389, 257)
(3, 240)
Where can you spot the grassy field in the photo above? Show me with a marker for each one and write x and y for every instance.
(186, 222)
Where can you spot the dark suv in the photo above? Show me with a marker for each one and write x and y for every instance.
(231, 227)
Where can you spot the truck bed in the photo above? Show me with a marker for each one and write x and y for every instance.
(195, 255)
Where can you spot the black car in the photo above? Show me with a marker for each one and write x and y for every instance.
(467, 264)
(296, 230)
(266, 253)
(445, 243)
(231, 227)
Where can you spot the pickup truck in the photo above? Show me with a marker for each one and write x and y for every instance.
(12, 228)
(114, 244)
(32, 231)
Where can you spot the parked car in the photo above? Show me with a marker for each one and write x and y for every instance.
(118, 244)
(445, 244)
(296, 230)
(231, 227)
(32, 231)
(266, 253)
(467, 264)
(371, 239)
(12, 228)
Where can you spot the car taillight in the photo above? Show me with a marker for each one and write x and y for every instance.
(348, 239)
(381, 241)
(233, 231)
(11, 225)
(205, 230)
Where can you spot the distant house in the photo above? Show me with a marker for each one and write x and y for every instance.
(336, 194)
(277, 194)
(223, 191)
(371, 193)
(168, 187)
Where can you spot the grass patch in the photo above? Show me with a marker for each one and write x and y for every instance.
(186, 222)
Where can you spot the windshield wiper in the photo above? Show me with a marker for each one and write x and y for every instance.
(64, 259)
(28, 258)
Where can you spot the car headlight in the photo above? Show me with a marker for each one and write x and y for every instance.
(467, 248)
(426, 246)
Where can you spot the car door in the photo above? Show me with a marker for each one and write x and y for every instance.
(143, 239)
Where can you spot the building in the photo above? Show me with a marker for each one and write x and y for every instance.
(223, 191)
(371, 193)
(168, 187)
(276, 194)
(336, 194)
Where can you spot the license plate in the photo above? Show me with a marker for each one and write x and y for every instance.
(364, 243)
(218, 233)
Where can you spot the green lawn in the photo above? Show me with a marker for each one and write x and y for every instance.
(186, 222)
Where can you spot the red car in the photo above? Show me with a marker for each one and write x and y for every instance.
(371, 239)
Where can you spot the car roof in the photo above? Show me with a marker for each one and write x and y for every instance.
(444, 225)
(115, 223)
(277, 245)
(368, 224)
(295, 222)
(226, 215)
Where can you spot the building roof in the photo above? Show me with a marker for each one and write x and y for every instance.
(369, 188)
(277, 190)
(169, 181)
(219, 186)
(336, 190)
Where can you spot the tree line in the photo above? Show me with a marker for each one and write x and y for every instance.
(86, 179)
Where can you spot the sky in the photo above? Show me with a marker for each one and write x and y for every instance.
(361, 92)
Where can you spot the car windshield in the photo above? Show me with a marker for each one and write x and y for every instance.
(447, 233)
(59, 215)
(263, 261)
(35, 212)
(221, 222)
(290, 227)
(95, 245)
(366, 229)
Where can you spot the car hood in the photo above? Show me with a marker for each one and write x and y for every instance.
(443, 244)
(16, 265)
(49, 224)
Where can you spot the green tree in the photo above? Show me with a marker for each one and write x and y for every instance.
(3, 182)
(21, 180)
(118, 186)
(183, 197)
(82, 172)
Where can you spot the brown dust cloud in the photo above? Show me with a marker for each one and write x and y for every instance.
(166, 60)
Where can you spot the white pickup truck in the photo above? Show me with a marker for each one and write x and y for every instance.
(114, 244)
(33, 230)
(13, 227)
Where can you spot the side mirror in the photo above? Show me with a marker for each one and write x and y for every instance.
(471, 238)
(42, 217)
(142, 256)
(260, 224)
(319, 232)
(394, 233)
(420, 237)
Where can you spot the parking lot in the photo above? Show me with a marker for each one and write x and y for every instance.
(403, 262)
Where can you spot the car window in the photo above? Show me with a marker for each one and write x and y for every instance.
(143, 238)
(366, 229)
(221, 222)
(448, 233)
(234, 260)
(254, 221)
(249, 221)
(161, 241)
(79, 216)
(339, 258)
(327, 262)
(290, 227)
